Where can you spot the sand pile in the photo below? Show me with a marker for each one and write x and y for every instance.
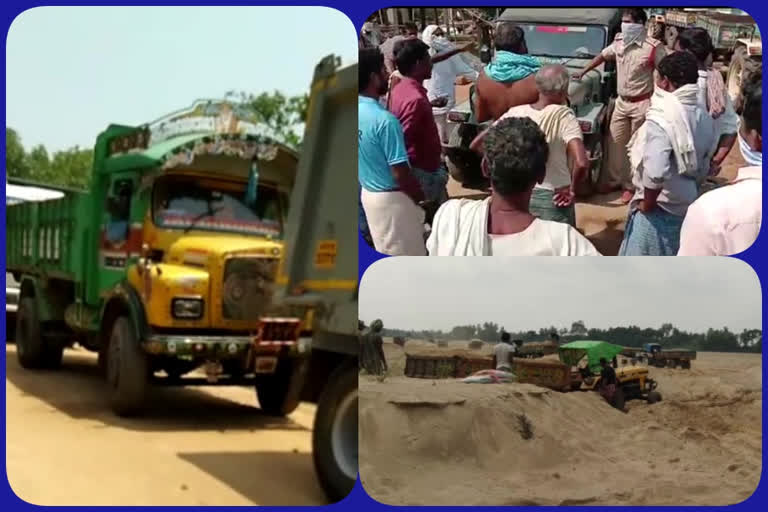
(444, 442)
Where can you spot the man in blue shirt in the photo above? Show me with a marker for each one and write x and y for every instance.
(390, 194)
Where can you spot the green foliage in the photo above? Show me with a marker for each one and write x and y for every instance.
(284, 115)
(70, 167)
(669, 336)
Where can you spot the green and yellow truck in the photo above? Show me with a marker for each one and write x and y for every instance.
(168, 262)
(204, 243)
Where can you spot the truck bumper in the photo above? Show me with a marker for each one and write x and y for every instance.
(222, 347)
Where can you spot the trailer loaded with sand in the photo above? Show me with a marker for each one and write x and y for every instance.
(577, 369)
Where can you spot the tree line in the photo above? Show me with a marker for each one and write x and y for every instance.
(71, 167)
(669, 336)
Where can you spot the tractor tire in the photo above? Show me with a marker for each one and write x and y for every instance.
(32, 349)
(334, 435)
(618, 399)
(653, 397)
(686, 365)
(277, 394)
(128, 370)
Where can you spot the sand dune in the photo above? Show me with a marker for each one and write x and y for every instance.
(444, 442)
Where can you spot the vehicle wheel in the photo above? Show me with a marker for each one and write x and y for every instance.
(127, 370)
(686, 365)
(334, 436)
(618, 399)
(31, 348)
(653, 397)
(735, 76)
(277, 394)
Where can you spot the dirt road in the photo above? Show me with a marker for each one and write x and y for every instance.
(196, 446)
(700, 446)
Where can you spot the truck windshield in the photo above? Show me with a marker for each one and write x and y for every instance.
(583, 41)
(189, 203)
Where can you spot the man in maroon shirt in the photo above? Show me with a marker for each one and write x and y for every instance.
(409, 103)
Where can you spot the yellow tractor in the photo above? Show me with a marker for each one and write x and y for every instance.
(634, 381)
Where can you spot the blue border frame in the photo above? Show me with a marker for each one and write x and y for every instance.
(357, 12)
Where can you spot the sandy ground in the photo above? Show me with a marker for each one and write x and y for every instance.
(601, 218)
(426, 442)
(196, 446)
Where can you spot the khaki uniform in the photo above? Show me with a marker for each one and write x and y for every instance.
(635, 64)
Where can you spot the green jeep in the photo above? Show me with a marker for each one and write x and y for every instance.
(571, 37)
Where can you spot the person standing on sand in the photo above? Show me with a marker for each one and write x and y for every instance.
(608, 381)
(636, 55)
(372, 358)
(503, 353)
(515, 156)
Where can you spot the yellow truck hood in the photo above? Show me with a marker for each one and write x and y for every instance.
(195, 250)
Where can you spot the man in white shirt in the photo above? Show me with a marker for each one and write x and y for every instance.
(727, 220)
(504, 352)
(515, 157)
(713, 96)
(553, 198)
(442, 84)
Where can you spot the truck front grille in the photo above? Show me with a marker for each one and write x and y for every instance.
(248, 287)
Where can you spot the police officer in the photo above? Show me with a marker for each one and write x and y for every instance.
(636, 55)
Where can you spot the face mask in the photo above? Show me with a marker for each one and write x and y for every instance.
(632, 32)
(752, 157)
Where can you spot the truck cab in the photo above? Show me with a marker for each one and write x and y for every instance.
(168, 262)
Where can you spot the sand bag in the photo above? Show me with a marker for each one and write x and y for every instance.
(490, 377)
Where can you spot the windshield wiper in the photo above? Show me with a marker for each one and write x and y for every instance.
(209, 213)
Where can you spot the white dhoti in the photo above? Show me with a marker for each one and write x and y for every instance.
(396, 223)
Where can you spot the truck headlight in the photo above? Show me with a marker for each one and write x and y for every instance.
(187, 309)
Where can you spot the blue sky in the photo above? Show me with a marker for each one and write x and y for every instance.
(70, 71)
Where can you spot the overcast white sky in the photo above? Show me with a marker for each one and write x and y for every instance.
(694, 294)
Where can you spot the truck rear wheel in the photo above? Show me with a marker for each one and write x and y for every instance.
(32, 349)
(276, 394)
(334, 436)
(127, 370)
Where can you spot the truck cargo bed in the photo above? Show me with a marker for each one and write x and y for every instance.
(45, 238)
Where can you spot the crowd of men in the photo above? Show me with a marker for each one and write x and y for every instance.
(672, 127)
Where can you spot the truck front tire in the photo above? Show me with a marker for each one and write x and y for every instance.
(32, 349)
(127, 370)
(334, 436)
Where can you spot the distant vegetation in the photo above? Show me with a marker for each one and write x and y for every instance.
(669, 336)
